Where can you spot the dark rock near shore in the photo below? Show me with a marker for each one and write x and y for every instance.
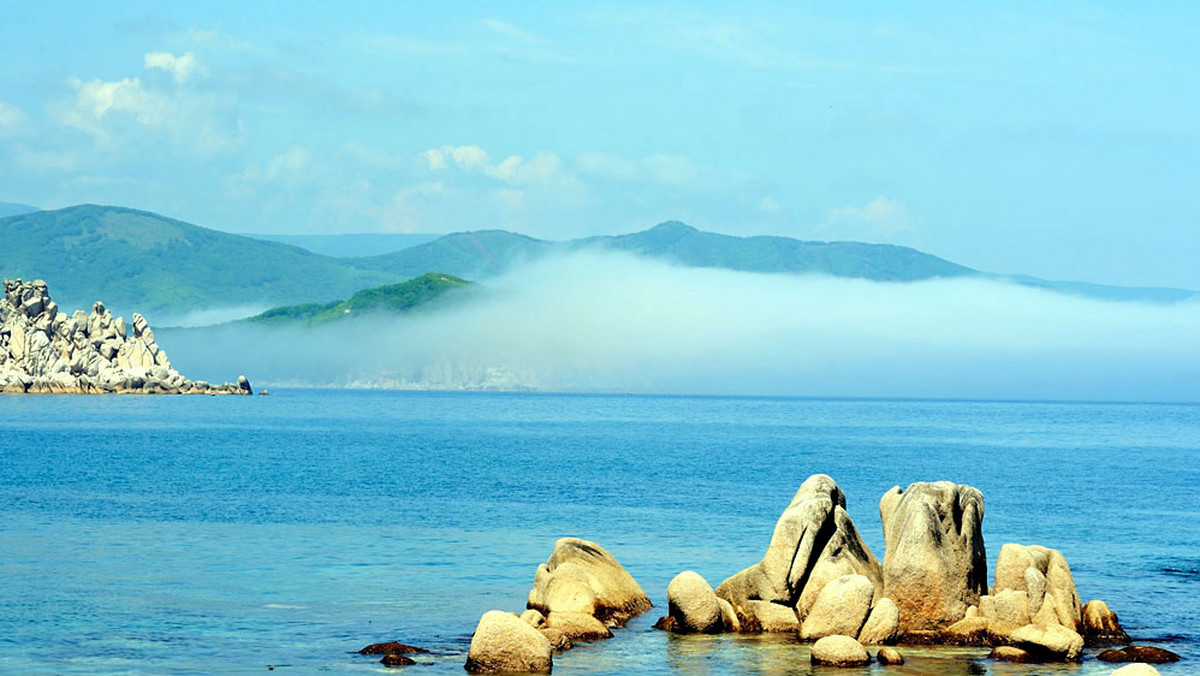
(667, 623)
(1139, 653)
(395, 660)
(889, 657)
(390, 648)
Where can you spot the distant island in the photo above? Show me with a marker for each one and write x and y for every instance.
(166, 267)
(45, 351)
(419, 292)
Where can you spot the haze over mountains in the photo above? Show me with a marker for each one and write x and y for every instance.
(137, 260)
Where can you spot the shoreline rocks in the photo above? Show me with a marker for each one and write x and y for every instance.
(582, 577)
(45, 351)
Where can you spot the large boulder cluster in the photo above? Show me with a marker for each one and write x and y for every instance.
(819, 580)
(45, 351)
(580, 594)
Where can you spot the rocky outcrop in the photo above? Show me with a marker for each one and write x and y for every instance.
(1043, 585)
(694, 604)
(814, 543)
(935, 565)
(45, 351)
(503, 644)
(839, 651)
(581, 577)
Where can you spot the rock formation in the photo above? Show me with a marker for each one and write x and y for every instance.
(502, 644)
(814, 543)
(935, 565)
(582, 577)
(45, 351)
(841, 608)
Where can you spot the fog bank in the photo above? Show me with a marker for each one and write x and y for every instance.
(613, 322)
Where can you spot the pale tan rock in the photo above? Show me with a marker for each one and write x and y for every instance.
(935, 565)
(533, 618)
(579, 627)
(558, 640)
(1007, 653)
(729, 618)
(1043, 574)
(1136, 669)
(502, 643)
(814, 542)
(883, 624)
(772, 617)
(839, 651)
(694, 604)
(1049, 641)
(841, 608)
(583, 577)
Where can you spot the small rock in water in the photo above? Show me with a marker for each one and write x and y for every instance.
(839, 651)
(390, 648)
(889, 656)
(1007, 653)
(666, 623)
(1139, 653)
(396, 661)
(1136, 670)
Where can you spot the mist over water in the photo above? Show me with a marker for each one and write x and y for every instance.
(614, 322)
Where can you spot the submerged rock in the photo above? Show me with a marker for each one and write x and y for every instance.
(1139, 653)
(582, 577)
(390, 648)
(502, 643)
(935, 565)
(1008, 653)
(396, 660)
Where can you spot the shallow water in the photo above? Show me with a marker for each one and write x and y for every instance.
(227, 535)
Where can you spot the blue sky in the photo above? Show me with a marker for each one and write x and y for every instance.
(1056, 139)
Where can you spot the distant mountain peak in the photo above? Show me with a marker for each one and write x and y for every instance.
(678, 227)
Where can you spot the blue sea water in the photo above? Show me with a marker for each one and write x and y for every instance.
(244, 535)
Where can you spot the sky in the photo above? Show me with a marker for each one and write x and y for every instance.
(1054, 139)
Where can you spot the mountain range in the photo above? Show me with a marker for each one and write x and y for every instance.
(138, 260)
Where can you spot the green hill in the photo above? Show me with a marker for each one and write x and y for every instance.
(394, 298)
(475, 255)
(137, 260)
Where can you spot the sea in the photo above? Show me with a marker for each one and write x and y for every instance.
(281, 533)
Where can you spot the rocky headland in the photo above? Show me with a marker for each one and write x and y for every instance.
(46, 351)
(819, 581)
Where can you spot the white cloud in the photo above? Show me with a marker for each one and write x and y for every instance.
(880, 220)
(768, 205)
(181, 68)
(11, 118)
(123, 113)
(544, 169)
